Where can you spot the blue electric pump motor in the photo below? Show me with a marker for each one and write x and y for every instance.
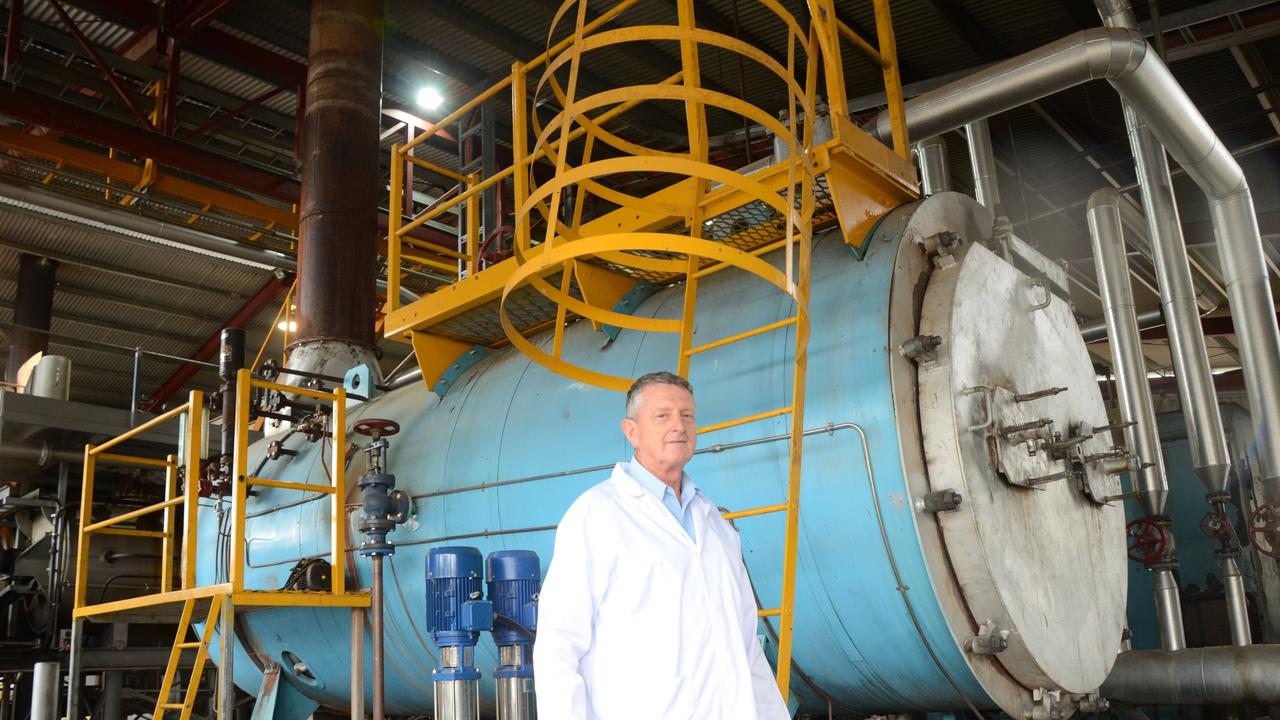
(514, 582)
(456, 614)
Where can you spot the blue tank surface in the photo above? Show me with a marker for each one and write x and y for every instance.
(496, 462)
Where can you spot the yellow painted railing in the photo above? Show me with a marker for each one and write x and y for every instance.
(187, 498)
(191, 411)
(463, 200)
(336, 489)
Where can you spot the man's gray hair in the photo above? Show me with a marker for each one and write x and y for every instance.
(654, 378)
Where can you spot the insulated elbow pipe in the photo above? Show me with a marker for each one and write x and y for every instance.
(1123, 57)
(1197, 676)
(935, 169)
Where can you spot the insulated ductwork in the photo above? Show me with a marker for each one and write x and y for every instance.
(1197, 676)
(1123, 58)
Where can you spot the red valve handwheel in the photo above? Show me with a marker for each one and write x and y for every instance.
(384, 428)
(1264, 529)
(1147, 540)
(1216, 525)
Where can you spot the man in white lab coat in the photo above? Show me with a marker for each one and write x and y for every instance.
(647, 612)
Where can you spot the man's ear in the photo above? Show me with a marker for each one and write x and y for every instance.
(629, 430)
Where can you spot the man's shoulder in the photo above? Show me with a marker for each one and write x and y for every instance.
(596, 497)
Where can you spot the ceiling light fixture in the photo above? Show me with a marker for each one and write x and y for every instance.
(429, 98)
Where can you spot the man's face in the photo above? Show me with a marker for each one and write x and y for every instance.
(663, 433)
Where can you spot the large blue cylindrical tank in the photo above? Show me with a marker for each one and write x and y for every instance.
(883, 618)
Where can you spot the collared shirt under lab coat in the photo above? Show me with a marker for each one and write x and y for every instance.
(638, 621)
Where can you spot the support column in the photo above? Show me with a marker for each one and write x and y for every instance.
(32, 311)
(338, 223)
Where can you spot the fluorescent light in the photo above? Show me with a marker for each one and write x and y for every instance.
(429, 98)
(291, 326)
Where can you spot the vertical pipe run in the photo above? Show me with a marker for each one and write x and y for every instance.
(1177, 291)
(1168, 610)
(44, 691)
(32, 311)
(1126, 348)
(375, 614)
(338, 222)
(986, 186)
(935, 170)
(73, 656)
(230, 360)
(1237, 603)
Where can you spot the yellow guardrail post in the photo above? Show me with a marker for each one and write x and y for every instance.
(394, 213)
(191, 489)
(240, 477)
(892, 79)
(169, 526)
(339, 499)
(519, 151)
(86, 514)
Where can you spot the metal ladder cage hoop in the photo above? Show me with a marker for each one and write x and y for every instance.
(672, 245)
(662, 253)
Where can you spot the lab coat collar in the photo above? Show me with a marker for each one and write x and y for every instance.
(656, 487)
(659, 514)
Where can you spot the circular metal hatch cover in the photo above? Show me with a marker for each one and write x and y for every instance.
(1008, 410)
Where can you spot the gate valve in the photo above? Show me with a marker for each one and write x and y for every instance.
(384, 506)
(1264, 529)
(1216, 525)
(1148, 540)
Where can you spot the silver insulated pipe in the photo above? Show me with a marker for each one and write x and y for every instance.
(1237, 603)
(1199, 676)
(1135, 394)
(982, 158)
(1208, 442)
(935, 169)
(45, 683)
(1126, 348)
(1177, 292)
(1124, 58)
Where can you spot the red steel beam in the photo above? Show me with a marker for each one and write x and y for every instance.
(106, 71)
(72, 120)
(271, 290)
(13, 36)
(172, 75)
(1211, 326)
(197, 16)
(227, 116)
(212, 43)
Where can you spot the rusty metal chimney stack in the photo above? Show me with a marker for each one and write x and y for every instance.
(32, 311)
(338, 221)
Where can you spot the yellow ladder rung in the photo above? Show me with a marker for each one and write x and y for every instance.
(744, 420)
(172, 706)
(764, 510)
(188, 645)
(771, 612)
(742, 336)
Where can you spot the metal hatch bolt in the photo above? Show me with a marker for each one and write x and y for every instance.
(941, 501)
(990, 640)
(921, 348)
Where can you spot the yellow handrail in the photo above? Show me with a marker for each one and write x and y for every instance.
(192, 410)
(241, 479)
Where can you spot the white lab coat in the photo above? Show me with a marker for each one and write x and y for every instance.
(638, 621)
